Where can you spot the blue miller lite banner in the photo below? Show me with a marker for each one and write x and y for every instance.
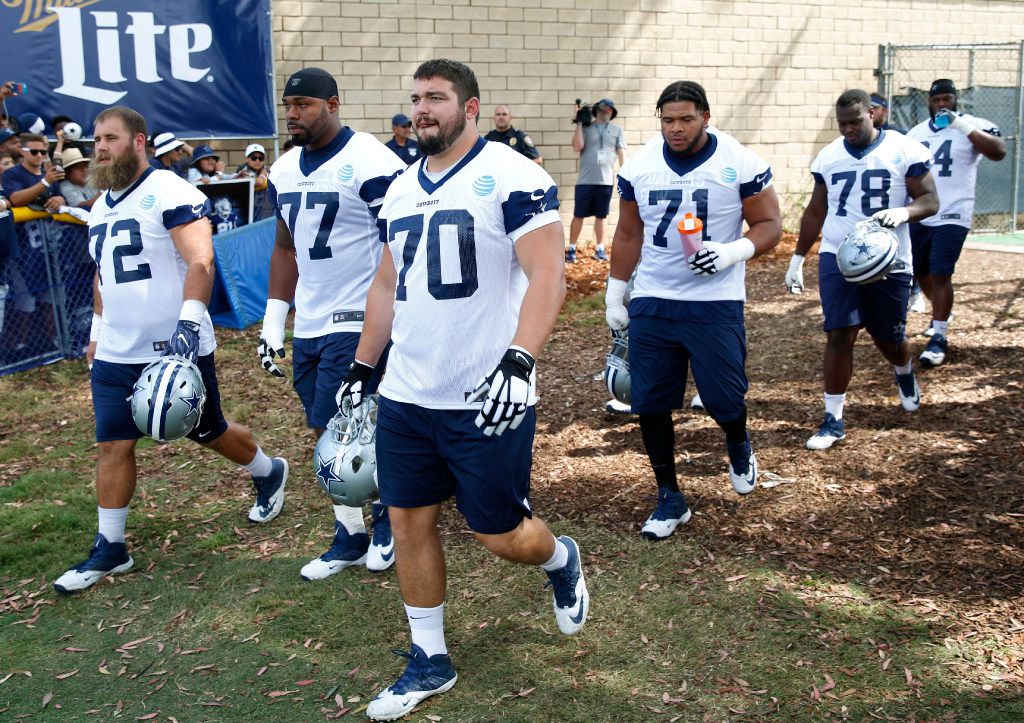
(197, 68)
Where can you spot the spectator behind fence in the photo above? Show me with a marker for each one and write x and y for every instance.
(401, 139)
(10, 144)
(171, 154)
(599, 144)
(206, 166)
(28, 183)
(880, 114)
(255, 167)
(74, 188)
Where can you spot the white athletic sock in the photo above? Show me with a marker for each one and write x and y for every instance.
(558, 560)
(941, 327)
(905, 369)
(427, 626)
(351, 518)
(834, 404)
(261, 464)
(112, 523)
(572, 247)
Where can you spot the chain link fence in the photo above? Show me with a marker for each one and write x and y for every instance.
(990, 82)
(45, 294)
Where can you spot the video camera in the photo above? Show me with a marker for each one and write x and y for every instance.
(584, 113)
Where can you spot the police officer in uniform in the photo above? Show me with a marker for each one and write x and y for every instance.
(402, 142)
(517, 140)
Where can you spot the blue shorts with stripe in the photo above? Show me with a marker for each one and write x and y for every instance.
(666, 336)
(936, 248)
(112, 386)
(880, 307)
(424, 456)
(319, 366)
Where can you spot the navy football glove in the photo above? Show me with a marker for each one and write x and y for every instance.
(505, 393)
(353, 389)
(185, 341)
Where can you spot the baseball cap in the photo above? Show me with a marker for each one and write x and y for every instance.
(941, 86)
(311, 83)
(879, 101)
(31, 123)
(5, 134)
(607, 102)
(71, 156)
(203, 151)
(400, 119)
(254, 148)
(165, 143)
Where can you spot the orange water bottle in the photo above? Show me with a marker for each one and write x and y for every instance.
(691, 231)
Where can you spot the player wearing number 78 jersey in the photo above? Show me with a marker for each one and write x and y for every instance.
(327, 193)
(865, 173)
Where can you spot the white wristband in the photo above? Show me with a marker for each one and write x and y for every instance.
(615, 292)
(96, 328)
(193, 310)
(46, 184)
(276, 314)
(745, 249)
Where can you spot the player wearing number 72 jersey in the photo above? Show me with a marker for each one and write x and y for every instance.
(865, 173)
(327, 193)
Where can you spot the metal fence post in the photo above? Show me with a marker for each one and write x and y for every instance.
(1015, 179)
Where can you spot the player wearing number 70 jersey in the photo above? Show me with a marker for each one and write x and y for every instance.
(686, 306)
(865, 173)
(327, 192)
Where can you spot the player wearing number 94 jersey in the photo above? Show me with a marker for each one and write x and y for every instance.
(865, 173)
(327, 193)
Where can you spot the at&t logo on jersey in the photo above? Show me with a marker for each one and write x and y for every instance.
(147, 202)
(728, 175)
(346, 173)
(897, 158)
(484, 185)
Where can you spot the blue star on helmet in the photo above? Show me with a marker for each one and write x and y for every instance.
(325, 472)
(192, 402)
(863, 249)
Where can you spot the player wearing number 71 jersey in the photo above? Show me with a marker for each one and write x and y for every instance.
(865, 173)
(327, 193)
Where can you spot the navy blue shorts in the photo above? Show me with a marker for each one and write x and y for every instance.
(424, 456)
(880, 307)
(592, 200)
(936, 248)
(319, 365)
(112, 386)
(709, 336)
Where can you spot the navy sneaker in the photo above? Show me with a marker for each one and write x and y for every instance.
(570, 256)
(742, 467)
(935, 351)
(423, 677)
(671, 512)
(569, 589)
(346, 550)
(381, 554)
(831, 431)
(910, 394)
(269, 492)
(600, 254)
(105, 558)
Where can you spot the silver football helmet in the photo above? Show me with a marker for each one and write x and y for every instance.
(616, 368)
(867, 253)
(168, 399)
(345, 458)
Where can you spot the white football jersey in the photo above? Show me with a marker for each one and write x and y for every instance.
(863, 181)
(329, 199)
(142, 275)
(460, 285)
(955, 169)
(712, 185)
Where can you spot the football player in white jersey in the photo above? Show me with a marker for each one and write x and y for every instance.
(865, 173)
(686, 305)
(327, 192)
(468, 291)
(957, 141)
(152, 243)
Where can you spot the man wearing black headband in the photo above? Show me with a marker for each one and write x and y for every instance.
(957, 142)
(326, 193)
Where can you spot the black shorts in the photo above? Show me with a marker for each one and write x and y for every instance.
(592, 200)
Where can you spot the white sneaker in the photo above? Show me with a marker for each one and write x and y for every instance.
(832, 430)
(614, 406)
(571, 599)
(423, 677)
(696, 403)
(346, 551)
(269, 492)
(743, 454)
(670, 512)
(910, 393)
(105, 558)
(381, 554)
(917, 303)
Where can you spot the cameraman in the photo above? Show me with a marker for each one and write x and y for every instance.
(599, 144)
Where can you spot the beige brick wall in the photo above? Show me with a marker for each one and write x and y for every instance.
(772, 69)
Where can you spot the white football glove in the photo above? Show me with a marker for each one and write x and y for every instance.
(272, 335)
(615, 312)
(505, 392)
(795, 275)
(715, 257)
(956, 121)
(892, 217)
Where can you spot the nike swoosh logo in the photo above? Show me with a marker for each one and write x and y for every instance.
(386, 556)
(204, 435)
(535, 197)
(578, 617)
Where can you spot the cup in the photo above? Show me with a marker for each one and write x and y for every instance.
(691, 232)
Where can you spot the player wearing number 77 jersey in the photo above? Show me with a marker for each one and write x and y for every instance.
(865, 173)
(686, 307)
(468, 290)
(327, 192)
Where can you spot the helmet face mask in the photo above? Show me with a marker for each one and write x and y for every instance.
(345, 459)
(616, 370)
(867, 253)
(168, 399)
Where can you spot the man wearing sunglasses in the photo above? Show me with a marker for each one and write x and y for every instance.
(28, 182)
(255, 167)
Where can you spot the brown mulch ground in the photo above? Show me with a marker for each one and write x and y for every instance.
(925, 510)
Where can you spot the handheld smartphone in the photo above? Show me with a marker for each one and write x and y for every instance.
(20, 89)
